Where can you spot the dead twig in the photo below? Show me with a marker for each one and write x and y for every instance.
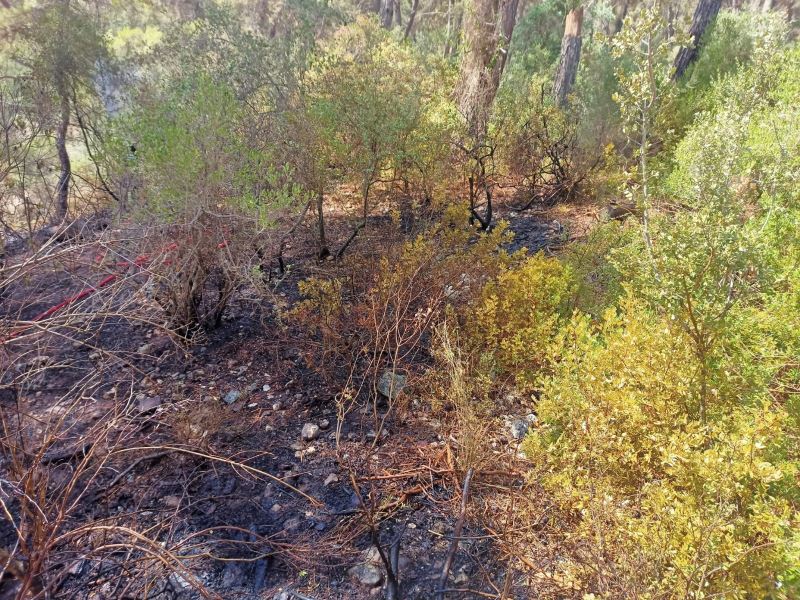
(456, 537)
(133, 465)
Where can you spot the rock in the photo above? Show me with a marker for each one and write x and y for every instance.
(368, 575)
(324, 424)
(461, 577)
(331, 479)
(277, 406)
(145, 349)
(305, 452)
(310, 432)
(232, 396)
(147, 404)
(391, 384)
(266, 387)
(171, 501)
(372, 556)
(518, 428)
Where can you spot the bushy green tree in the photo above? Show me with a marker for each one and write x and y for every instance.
(378, 111)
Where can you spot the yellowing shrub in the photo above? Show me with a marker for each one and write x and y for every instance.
(514, 321)
(658, 503)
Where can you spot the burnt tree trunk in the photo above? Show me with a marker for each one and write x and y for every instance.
(62, 187)
(570, 56)
(704, 14)
(411, 18)
(322, 249)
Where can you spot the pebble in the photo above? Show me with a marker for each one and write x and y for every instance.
(324, 424)
(331, 479)
(146, 404)
(232, 396)
(306, 452)
(171, 501)
(461, 577)
(518, 428)
(369, 575)
(310, 432)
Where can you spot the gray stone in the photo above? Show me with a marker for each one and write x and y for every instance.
(391, 384)
(146, 403)
(518, 428)
(368, 575)
(310, 432)
(461, 577)
(232, 396)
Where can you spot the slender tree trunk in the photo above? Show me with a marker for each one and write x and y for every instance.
(505, 29)
(411, 18)
(767, 6)
(62, 188)
(620, 12)
(570, 56)
(704, 14)
(323, 251)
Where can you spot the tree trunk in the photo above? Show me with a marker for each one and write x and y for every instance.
(411, 19)
(620, 12)
(570, 56)
(62, 188)
(505, 29)
(387, 13)
(704, 14)
(322, 250)
(485, 23)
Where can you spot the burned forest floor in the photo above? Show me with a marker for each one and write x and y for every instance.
(221, 467)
